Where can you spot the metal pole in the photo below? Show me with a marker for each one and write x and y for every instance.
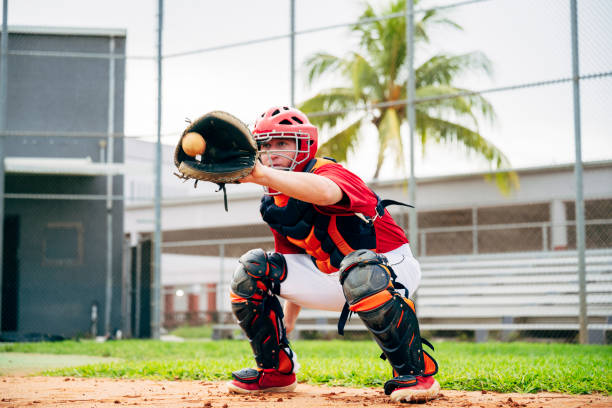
(3, 93)
(3, 65)
(109, 190)
(126, 289)
(138, 292)
(474, 230)
(292, 52)
(155, 323)
(413, 237)
(221, 286)
(580, 229)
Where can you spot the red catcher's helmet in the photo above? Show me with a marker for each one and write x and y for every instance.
(283, 122)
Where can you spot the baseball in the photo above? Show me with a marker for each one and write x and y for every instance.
(194, 144)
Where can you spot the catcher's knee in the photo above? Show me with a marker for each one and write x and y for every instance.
(257, 273)
(366, 280)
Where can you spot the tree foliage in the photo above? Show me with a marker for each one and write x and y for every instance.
(376, 76)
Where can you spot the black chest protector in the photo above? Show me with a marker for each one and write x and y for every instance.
(327, 238)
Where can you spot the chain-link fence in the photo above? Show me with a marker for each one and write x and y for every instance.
(499, 257)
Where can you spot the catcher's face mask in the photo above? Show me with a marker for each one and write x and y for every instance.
(281, 151)
(283, 122)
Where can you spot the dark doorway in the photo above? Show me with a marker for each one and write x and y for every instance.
(10, 273)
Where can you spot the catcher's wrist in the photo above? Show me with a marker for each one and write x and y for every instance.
(257, 176)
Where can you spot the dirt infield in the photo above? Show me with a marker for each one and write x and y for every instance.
(102, 392)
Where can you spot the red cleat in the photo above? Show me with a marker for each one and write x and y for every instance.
(409, 388)
(249, 380)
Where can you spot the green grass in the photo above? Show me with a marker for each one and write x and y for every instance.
(501, 367)
(193, 332)
(32, 363)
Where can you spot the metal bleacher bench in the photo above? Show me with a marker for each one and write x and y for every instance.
(502, 292)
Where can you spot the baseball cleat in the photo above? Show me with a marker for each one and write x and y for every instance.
(249, 380)
(408, 388)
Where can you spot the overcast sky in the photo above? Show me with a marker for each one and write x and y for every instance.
(527, 41)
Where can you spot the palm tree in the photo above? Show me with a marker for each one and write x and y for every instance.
(378, 76)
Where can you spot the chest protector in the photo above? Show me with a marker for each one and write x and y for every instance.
(326, 238)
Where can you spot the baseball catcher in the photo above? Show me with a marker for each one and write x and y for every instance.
(336, 248)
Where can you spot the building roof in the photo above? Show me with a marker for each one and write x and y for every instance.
(70, 166)
(520, 170)
(89, 31)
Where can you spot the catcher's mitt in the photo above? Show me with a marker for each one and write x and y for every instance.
(230, 154)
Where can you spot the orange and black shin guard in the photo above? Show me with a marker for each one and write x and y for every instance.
(259, 312)
(368, 288)
(263, 326)
(396, 329)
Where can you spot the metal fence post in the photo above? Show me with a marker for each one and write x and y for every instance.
(423, 243)
(3, 93)
(474, 230)
(109, 188)
(544, 237)
(580, 229)
(155, 323)
(126, 291)
(137, 286)
(220, 289)
(411, 92)
(292, 17)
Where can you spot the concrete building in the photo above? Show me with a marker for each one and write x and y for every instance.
(64, 118)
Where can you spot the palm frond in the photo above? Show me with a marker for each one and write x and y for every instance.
(444, 131)
(466, 105)
(442, 69)
(506, 181)
(431, 18)
(389, 136)
(376, 73)
(369, 32)
(342, 143)
(364, 78)
(449, 132)
(330, 100)
(320, 64)
(447, 22)
(420, 29)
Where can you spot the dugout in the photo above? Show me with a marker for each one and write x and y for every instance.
(64, 120)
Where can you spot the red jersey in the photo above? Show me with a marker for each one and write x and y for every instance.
(358, 198)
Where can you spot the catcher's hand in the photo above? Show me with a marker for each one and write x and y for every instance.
(230, 150)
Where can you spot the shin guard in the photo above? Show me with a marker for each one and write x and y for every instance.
(367, 283)
(259, 312)
(396, 329)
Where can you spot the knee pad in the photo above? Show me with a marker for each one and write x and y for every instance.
(255, 282)
(367, 282)
(364, 277)
(268, 268)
